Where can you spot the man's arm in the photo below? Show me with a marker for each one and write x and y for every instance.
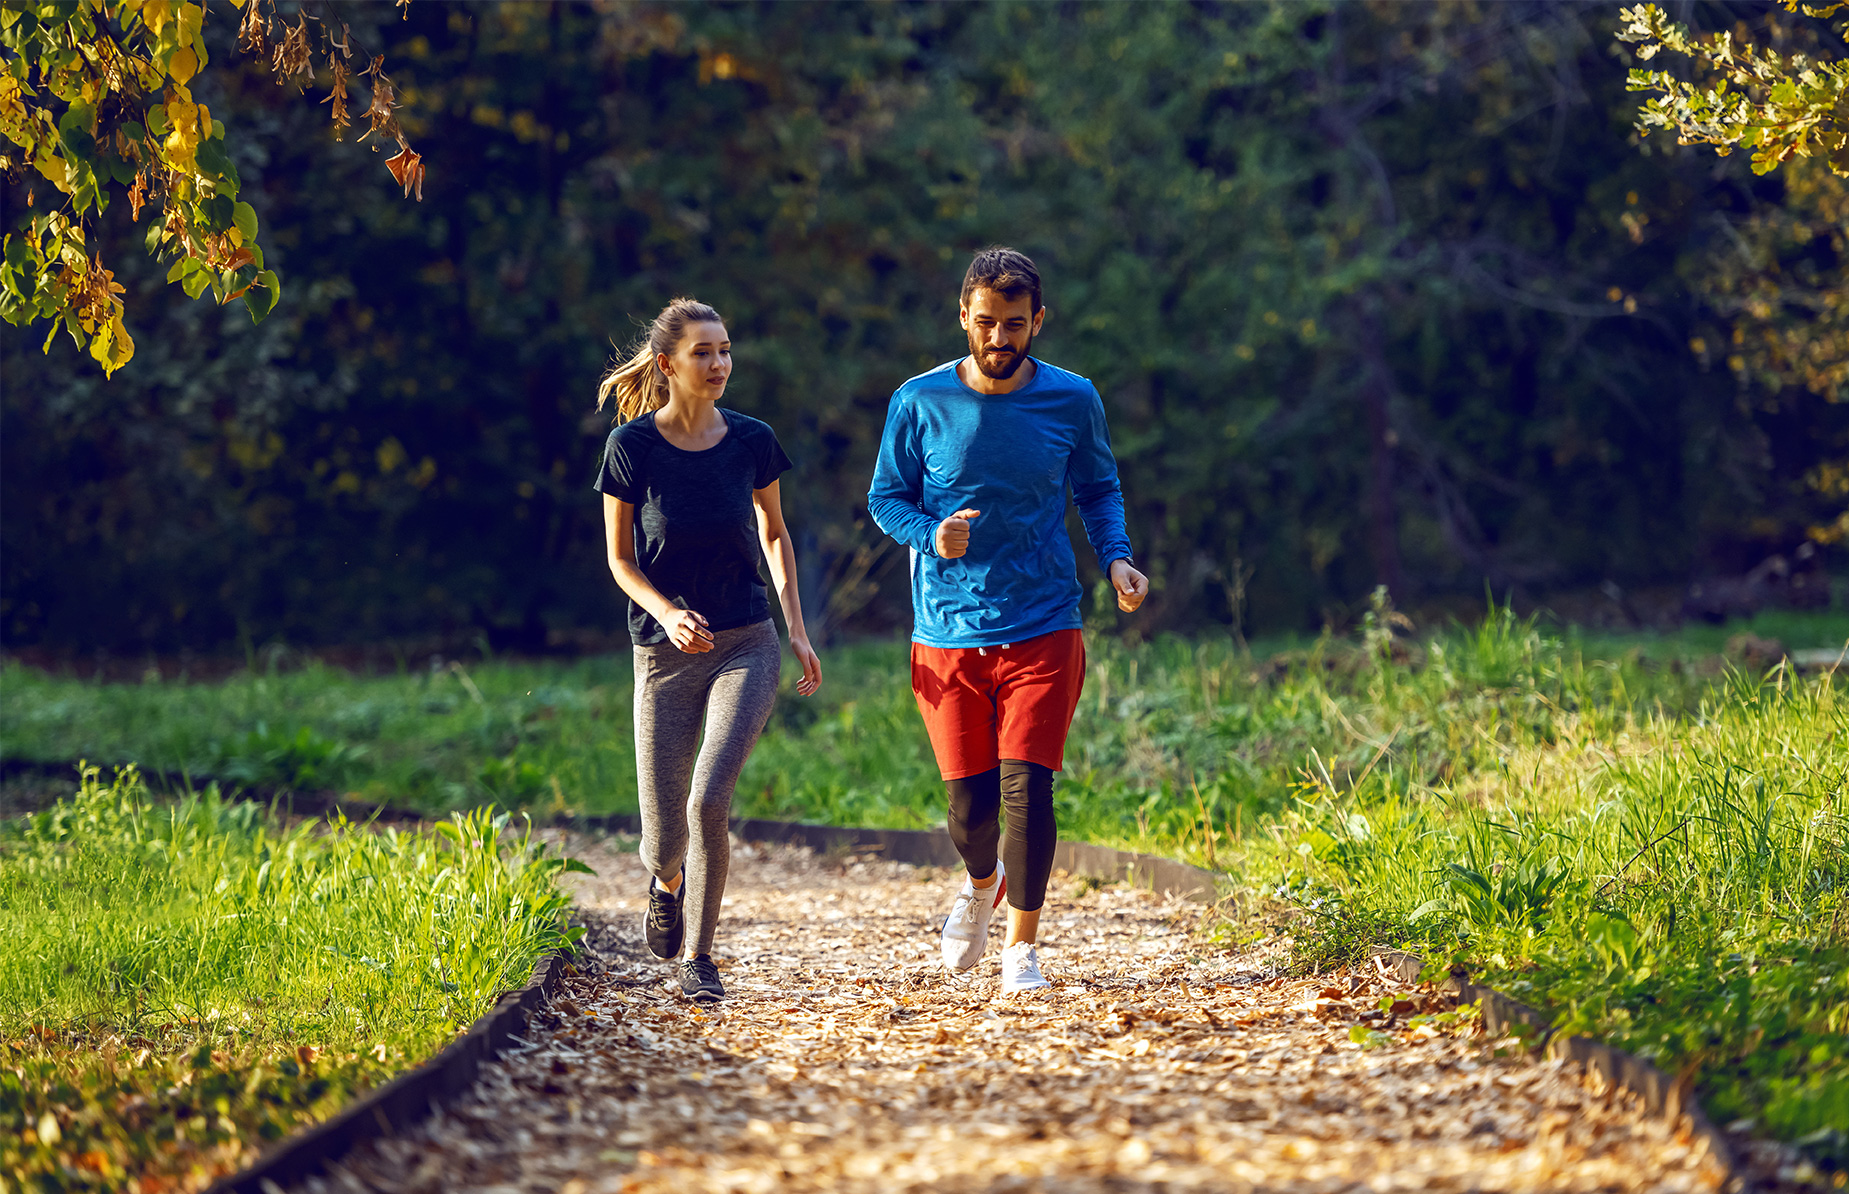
(898, 484)
(1092, 473)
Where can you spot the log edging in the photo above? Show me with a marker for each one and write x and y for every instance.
(1661, 1095)
(406, 1099)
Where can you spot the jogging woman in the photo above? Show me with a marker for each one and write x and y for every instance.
(690, 500)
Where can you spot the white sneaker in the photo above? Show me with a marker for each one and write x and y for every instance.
(1021, 969)
(966, 929)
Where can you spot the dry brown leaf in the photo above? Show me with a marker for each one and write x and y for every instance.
(337, 96)
(254, 32)
(293, 57)
(408, 168)
(379, 111)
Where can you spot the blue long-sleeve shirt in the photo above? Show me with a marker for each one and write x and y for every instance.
(1013, 457)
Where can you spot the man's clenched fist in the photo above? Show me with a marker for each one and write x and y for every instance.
(1132, 586)
(953, 534)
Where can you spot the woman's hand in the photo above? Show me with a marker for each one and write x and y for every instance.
(812, 665)
(687, 630)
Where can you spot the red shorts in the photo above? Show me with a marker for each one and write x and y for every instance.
(985, 704)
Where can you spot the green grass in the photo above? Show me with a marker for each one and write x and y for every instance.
(181, 983)
(1155, 721)
(1625, 829)
(1673, 881)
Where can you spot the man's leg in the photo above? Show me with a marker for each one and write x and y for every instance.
(1027, 850)
(975, 801)
(954, 688)
(1036, 694)
(975, 830)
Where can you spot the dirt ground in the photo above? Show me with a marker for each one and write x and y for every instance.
(847, 1059)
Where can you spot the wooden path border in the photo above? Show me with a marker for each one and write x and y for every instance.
(407, 1098)
(1661, 1095)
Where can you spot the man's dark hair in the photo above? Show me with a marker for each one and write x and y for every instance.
(1003, 270)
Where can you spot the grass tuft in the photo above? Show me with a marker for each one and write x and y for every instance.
(181, 983)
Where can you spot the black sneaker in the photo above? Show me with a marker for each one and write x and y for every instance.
(662, 924)
(700, 978)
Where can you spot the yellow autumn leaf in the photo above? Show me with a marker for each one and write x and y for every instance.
(180, 149)
(57, 170)
(155, 14)
(111, 347)
(183, 139)
(191, 17)
(14, 122)
(184, 64)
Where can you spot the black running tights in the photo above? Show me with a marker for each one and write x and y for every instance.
(1026, 790)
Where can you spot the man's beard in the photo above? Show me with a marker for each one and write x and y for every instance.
(1007, 366)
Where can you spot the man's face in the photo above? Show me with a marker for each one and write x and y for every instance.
(1001, 331)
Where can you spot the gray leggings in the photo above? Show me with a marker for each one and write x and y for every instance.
(683, 778)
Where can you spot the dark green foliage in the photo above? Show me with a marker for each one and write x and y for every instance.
(1371, 292)
(303, 759)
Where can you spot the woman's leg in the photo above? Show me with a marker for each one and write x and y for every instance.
(737, 706)
(670, 698)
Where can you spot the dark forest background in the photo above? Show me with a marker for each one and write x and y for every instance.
(1374, 293)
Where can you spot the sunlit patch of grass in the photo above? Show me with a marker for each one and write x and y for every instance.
(182, 983)
(1675, 885)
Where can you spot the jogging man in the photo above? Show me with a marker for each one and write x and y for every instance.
(973, 471)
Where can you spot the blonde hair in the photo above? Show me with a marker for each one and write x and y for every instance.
(638, 383)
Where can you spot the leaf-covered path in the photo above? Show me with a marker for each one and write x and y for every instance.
(845, 1059)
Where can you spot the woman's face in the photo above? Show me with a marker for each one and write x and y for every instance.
(701, 362)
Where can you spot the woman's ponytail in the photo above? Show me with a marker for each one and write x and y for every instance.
(638, 383)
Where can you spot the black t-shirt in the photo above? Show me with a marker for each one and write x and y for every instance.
(696, 530)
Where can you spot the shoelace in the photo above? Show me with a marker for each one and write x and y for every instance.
(702, 968)
(970, 903)
(660, 909)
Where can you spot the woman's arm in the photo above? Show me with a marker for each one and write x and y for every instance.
(686, 629)
(774, 538)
